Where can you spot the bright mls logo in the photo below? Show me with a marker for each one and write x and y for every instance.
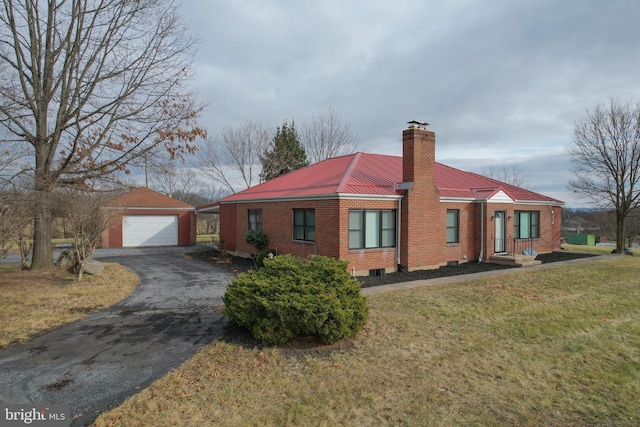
(36, 415)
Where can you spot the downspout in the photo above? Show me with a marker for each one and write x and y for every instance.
(481, 232)
(399, 229)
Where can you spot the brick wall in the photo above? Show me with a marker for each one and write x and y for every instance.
(363, 260)
(468, 246)
(228, 231)
(550, 226)
(423, 224)
(277, 224)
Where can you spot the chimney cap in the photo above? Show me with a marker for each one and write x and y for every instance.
(413, 124)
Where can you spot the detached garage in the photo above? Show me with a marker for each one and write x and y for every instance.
(147, 218)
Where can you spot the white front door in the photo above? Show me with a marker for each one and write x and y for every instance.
(500, 231)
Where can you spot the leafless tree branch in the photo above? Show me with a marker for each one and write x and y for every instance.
(233, 159)
(605, 157)
(90, 86)
(327, 136)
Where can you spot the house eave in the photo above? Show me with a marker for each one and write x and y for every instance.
(351, 196)
(540, 202)
(333, 196)
(460, 199)
(516, 202)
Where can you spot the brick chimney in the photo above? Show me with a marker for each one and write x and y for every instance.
(418, 153)
(423, 220)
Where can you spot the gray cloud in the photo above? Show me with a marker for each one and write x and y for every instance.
(502, 80)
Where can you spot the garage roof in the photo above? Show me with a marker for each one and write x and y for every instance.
(142, 197)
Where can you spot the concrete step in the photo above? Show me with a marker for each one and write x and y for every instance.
(514, 260)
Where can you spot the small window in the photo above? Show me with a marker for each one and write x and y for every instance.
(254, 217)
(304, 224)
(453, 226)
(526, 224)
(372, 229)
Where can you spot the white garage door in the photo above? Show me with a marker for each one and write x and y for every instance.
(149, 230)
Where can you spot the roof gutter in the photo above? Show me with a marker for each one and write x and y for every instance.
(482, 206)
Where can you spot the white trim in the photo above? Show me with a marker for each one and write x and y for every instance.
(517, 202)
(460, 199)
(500, 197)
(342, 196)
(532, 202)
(211, 209)
(346, 196)
(349, 196)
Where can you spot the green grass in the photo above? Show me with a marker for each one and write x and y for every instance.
(547, 347)
(206, 238)
(602, 250)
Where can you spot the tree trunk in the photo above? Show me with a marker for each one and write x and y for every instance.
(41, 205)
(42, 250)
(620, 233)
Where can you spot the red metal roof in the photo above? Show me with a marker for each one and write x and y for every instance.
(143, 197)
(376, 175)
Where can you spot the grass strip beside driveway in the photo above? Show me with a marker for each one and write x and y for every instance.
(559, 346)
(32, 302)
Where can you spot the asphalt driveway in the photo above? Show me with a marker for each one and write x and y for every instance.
(96, 363)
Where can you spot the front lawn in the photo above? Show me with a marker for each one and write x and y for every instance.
(34, 301)
(598, 250)
(559, 346)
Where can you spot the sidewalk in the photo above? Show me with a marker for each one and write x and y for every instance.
(467, 277)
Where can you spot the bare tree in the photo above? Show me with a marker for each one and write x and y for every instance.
(605, 224)
(89, 86)
(174, 182)
(632, 226)
(512, 176)
(6, 226)
(233, 159)
(326, 136)
(16, 224)
(606, 160)
(88, 218)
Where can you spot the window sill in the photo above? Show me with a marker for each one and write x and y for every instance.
(308, 242)
(371, 249)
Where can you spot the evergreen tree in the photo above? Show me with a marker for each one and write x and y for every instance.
(285, 154)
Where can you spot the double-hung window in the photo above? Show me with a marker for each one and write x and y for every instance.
(453, 227)
(254, 219)
(304, 224)
(372, 229)
(526, 224)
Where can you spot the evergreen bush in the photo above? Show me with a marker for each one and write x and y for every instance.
(291, 298)
(265, 254)
(257, 239)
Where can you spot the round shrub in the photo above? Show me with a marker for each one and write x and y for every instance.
(291, 298)
(257, 239)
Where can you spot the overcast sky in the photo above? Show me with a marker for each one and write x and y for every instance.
(501, 82)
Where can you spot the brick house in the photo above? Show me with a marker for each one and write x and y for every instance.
(382, 213)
